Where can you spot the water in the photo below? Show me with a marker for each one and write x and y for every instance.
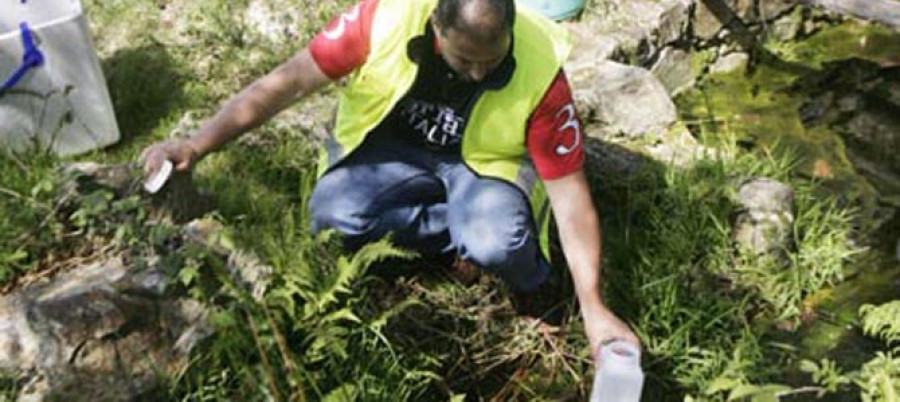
(763, 109)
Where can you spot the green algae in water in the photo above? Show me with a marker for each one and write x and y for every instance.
(762, 111)
(836, 334)
(763, 108)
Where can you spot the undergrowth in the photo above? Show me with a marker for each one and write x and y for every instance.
(700, 309)
(382, 324)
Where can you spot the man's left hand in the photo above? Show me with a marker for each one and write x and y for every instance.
(602, 326)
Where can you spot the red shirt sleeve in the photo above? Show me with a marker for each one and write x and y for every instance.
(555, 137)
(343, 45)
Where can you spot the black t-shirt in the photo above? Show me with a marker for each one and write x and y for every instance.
(434, 112)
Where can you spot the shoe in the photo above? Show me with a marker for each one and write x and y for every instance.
(465, 272)
(546, 303)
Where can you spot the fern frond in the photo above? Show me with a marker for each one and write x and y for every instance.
(882, 321)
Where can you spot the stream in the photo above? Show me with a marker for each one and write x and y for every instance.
(833, 99)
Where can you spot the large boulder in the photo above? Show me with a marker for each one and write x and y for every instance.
(99, 332)
(623, 100)
(630, 31)
(673, 69)
(712, 16)
(113, 329)
(769, 10)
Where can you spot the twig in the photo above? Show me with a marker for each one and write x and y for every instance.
(12, 193)
(16, 160)
(273, 385)
(285, 352)
(552, 340)
(43, 223)
(801, 390)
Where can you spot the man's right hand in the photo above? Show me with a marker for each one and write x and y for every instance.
(178, 151)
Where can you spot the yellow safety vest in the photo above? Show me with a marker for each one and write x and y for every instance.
(493, 143)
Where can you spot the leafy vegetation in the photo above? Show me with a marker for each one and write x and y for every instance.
(882, 321)
(879, 378)
(382, 324)
(696, 304)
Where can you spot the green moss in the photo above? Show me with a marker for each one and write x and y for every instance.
(870, 42)
(764, 106)
(758, 109)
(829, 335)
(761, 110)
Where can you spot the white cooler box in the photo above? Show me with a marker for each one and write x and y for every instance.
(63, 103)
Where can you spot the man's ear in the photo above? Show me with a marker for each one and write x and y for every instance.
(436, 26)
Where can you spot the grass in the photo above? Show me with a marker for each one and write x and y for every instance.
(672, 269)
(381, 324)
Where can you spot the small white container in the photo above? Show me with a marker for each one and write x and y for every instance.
(64, 103)
(159, 178)
(620, 378)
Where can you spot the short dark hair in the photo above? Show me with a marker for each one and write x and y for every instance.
(447, 13)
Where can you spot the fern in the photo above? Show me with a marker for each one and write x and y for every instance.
(882, 321)
(879, 379)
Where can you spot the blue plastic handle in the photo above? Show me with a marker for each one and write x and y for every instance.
(32, 58)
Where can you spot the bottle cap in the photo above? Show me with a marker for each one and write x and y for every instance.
(158, 179)
(620, 350)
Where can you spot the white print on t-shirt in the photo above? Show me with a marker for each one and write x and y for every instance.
(438, 125)
(345, 18)
(571, 123)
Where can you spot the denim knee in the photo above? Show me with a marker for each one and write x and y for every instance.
(333, 210)
(491, 247)
(513, 255)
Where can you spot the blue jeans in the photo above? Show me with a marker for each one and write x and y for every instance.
(432, 203)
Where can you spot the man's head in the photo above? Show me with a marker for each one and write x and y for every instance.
(474, 35)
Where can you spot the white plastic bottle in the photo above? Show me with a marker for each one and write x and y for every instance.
(620, 378)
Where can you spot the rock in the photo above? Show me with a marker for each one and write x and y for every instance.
(706, 19)
(786, 28)
(114, 329)
(883, 177)
(673, 70)
(244, 267)
(121, 179)
(770, 10)
(861, 101)
(813, 111)
(99, 332)
(612, 160)
(630, 31)
(673, 17)
(878, 134)
(892, 92)
(764, 224)
(623, 101)
(589, 46)
(179, 197)
(679, 148)
(729, 63)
